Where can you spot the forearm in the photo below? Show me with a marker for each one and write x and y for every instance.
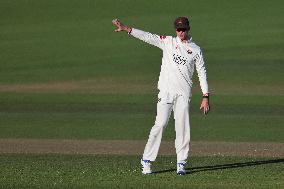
(148, 37)
(201, 71)
(204, 85)
(142, 35)
(203, 80)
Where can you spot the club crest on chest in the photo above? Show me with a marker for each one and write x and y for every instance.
(188, 51)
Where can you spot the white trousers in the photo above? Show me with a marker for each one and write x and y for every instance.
(166, 103)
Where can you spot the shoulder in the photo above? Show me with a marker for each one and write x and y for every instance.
(166, 38)
(194, 46)
(196, 49)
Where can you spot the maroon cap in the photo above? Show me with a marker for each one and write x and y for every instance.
(181, 22)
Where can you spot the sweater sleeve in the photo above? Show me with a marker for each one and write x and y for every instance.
(153, 39)
(201, 71)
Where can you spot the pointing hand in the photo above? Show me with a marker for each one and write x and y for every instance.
(120, 26)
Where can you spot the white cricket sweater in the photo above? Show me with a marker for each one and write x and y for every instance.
(177, 63)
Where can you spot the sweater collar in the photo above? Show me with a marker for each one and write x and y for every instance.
(187, 41)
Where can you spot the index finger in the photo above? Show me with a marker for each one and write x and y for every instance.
(114, 20)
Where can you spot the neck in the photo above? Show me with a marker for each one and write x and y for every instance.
(184, 40)
(187, 37)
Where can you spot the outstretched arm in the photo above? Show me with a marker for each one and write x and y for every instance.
(153, 39)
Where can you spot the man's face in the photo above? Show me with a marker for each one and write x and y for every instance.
(182, 33)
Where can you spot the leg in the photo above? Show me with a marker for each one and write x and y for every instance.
(182, 128)
(164, 108)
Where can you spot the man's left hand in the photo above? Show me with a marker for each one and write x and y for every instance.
(205, 106)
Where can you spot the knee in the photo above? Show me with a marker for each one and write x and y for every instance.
(161, 123)
(157, 130)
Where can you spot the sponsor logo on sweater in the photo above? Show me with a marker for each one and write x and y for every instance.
(180, 60)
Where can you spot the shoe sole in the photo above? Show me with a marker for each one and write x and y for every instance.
(146, 173)
(181, 173)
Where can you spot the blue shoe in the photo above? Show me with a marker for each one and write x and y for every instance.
(146, 166)
(181, 169)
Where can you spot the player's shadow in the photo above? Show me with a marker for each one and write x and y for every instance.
(224, 166)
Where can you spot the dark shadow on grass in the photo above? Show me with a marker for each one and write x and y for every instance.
(224, 166)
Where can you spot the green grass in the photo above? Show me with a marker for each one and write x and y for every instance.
(72, 44)
(78, 171)
(74, 40)
(82, 116)
(65, 74)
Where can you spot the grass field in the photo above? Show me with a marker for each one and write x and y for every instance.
(63, 171)
(64, 74)
(87, 116)
(64, 71)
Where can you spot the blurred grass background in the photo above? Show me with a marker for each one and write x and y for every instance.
(65, 73)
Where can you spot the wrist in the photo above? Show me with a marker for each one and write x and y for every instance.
(127, 29)
(205, 95)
